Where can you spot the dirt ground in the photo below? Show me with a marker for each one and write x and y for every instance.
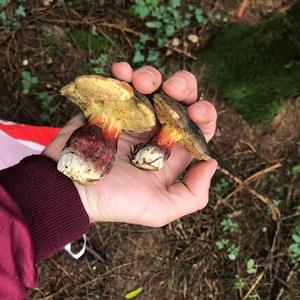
(254, 186)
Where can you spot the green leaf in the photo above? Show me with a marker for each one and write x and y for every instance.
(133, 293)
(186, 20)
(174, 3)
(138, 46)
(138, 57)
(251, 269)
(153, 56)
(177, 18)
(170, 30)
(140, 2)
(220, 245)
(152, 2)
(161, 41)
(98, 70)
(191, 7)
(16, 24)
(20, 11)
(239, 284)
(232, 256)
(200, 17)
(34, 80)
(144, 38)
(296, 238)
(295, 248)
(3, 3)
(154, 24)
(26, 75)
(140, 11)
(163, 70)
(233, 252)
(3, 16)
(250, 263)
(296, 169)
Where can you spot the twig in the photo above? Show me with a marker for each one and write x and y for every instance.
(103, 275)
(119, 27)
(95, 254)
(256, 282)
(136, 33)
(291, 273)
(271, 256)
(123, 29)
(275, 211)
(181, 51)
(242, 8)
(252, 178)
(262, 172)
(7, 54)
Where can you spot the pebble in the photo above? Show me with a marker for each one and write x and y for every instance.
(193, 38)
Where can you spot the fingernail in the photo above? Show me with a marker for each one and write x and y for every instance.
(201, 108)
(147, 74)
(177, 83)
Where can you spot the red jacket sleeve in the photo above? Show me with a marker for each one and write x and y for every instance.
(40, 212)
(17, 272)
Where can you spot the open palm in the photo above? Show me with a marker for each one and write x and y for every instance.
(128, 194)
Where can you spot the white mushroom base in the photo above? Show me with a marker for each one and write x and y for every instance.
(77, 168)
(149, 157)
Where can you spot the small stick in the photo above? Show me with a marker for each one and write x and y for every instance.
(275, 211)
(242, 8)
(122, 29)
(256, 282)
(252, 178)
(262, 172)
(136, 33)
(95, 254)
(291, 273)
(178, 50)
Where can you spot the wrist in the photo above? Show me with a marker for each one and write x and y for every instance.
(50, 204)
(82, 192)
(89, 196)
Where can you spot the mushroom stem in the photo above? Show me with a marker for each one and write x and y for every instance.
(166, 138)
(152, 156)
(90, 152)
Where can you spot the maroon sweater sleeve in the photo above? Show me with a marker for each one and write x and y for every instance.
(47, 205)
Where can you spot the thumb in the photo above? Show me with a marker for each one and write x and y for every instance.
(54, 149)
(192, 194)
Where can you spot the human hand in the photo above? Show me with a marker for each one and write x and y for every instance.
(128, 194)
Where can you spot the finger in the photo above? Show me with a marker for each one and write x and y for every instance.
(122, 71)
(54, 149)
(73, 124)
(179, 159)
(182, 86)
(146, 79)
(204, 114)
(192, 194)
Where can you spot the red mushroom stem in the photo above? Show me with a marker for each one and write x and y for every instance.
(152, 156)
(91, 149)
(165, 139)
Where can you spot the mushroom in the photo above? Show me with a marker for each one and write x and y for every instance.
(110, 106)
(177, 127)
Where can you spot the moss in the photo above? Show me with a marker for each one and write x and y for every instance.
(255, 68)
(85, 41)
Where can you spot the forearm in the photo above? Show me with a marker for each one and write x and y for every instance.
(40, 212)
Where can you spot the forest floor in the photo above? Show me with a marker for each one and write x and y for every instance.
(239, 246)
